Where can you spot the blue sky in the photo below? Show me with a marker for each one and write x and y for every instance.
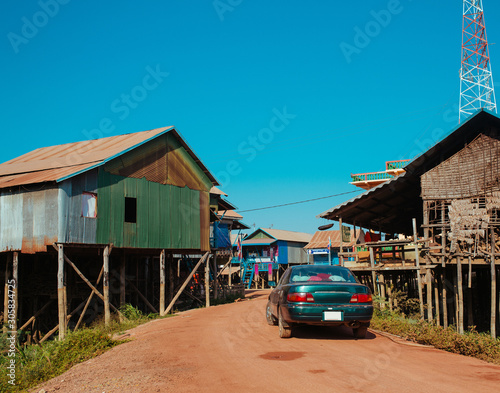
(282, 100)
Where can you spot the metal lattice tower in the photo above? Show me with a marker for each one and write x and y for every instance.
(476, 81)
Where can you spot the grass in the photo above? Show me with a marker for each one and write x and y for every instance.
(38, 363)
(471, 343)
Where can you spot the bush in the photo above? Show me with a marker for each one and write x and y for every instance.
(471, 343)
(38, 363)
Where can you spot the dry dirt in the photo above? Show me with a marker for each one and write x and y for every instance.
(230, 348)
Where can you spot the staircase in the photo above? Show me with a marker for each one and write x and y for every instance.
(248, 272)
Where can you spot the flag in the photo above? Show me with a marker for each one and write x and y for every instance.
(240, 251)
(329, 243)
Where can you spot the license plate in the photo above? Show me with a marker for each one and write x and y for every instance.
(333, 316)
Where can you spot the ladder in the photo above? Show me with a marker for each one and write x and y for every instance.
(248, 272)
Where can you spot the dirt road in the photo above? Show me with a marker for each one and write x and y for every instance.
(230, 348)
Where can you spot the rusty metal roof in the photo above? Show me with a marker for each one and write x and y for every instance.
(231, 214)
(320, 239)
(290, 236)
(214, 190)
(57, 163)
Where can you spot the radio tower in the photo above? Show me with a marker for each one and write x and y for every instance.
(476, 81)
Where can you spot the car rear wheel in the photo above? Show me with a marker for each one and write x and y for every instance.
(360, 332)
(271, 319)
(285, 331)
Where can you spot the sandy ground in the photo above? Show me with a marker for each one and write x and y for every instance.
(230, 348)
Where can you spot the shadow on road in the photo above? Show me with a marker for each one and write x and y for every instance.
(327, 333)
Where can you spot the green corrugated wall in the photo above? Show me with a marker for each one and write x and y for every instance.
(167, 216)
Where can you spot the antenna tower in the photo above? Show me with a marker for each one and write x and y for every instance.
(476, 81)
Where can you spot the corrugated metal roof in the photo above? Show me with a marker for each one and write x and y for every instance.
(320, 239)
(231, 214)
(57, 163)
(258, 242)
(289, 236)
(214, 190)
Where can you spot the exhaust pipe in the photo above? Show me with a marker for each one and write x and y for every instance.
(354, 324)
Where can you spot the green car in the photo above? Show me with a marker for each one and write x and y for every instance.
(319, 295)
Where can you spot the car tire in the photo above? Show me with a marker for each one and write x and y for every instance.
(271, 319)
(285, 331)
(360, 332)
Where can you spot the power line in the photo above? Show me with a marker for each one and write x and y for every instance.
(296, 203)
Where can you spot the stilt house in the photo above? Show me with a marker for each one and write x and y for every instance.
(109, 208)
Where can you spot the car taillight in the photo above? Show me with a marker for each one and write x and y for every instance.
(361, 298)
(303, 297)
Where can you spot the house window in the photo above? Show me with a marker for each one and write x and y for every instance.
(89, 205)
(130, 210)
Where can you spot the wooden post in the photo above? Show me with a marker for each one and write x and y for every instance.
(61, 290)
(341, 249)
(216, 281)
(90, 299)
(207, 283)
(493, 326)
(428, 277)
(389, 293)
(470, 310)
(374, 275)
(6, 293)
(381, 279)
(188, 279)
(417, 264)
(107, 313)
(15, 276)
(123, 264)
(444, 298)
(460, 288)
(455, 294)
(171, 278)
(437, 301)
(162, 283)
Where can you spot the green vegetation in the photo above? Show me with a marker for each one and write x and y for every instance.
(409, 326)
(38, 363)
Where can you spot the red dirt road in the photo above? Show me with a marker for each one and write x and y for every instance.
(230, 348)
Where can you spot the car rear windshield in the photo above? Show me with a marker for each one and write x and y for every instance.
(322, 273)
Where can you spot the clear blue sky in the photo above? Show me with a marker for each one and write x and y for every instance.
(282, 100)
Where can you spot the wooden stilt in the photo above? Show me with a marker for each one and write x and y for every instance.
(389, 293)
(207, 283)
(437, 300)
(381, 280)
(15, 276)
(374, 275)
(341, 249)
(444, 295)
(8, 261)
(171, 278)
(460, 289)
(455, 294)
(97, 292)
(470, 309)
(162, 283)
(428, 276)
(417, 264)
(36, 315)
(61, 289)
(186, 282)
(89, 300)
(493, 326)
(123, 264)
(105, 288)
